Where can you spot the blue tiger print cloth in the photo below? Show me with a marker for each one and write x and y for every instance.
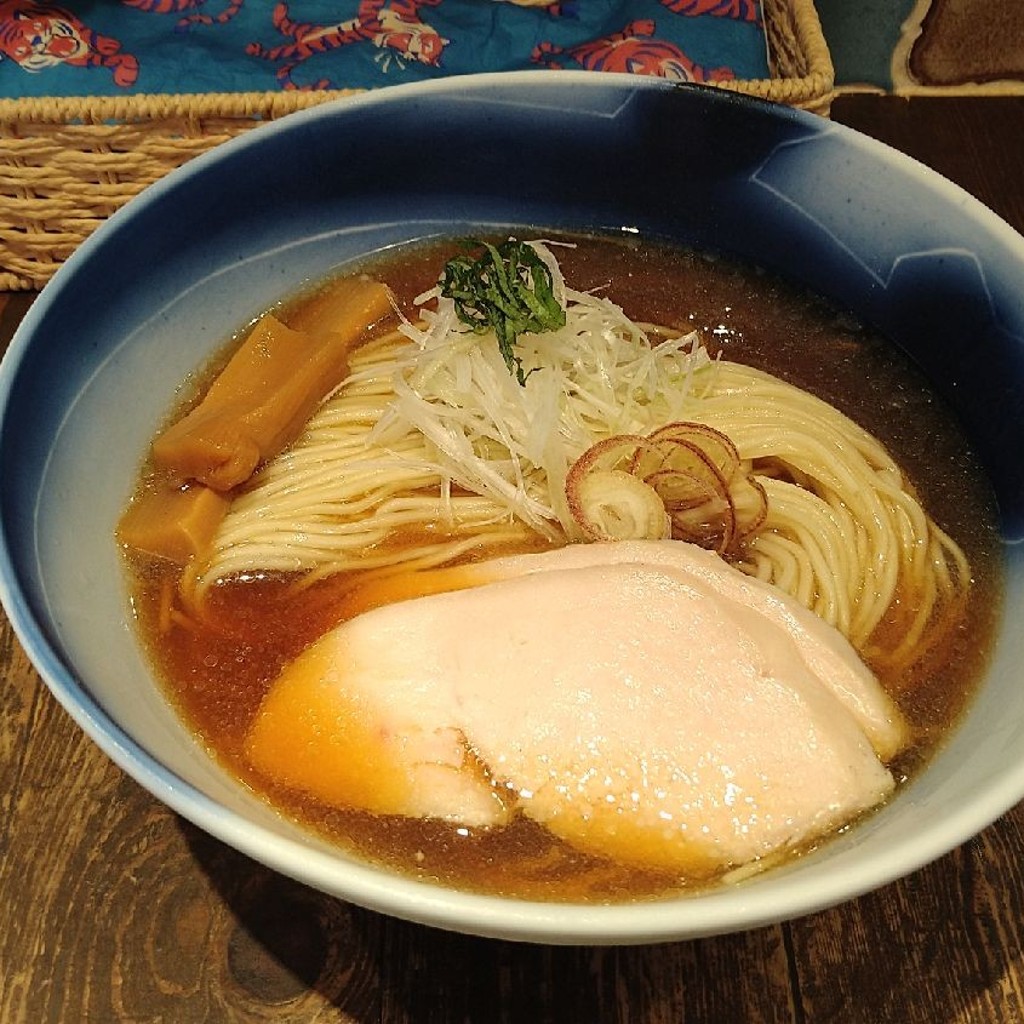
(124, 47)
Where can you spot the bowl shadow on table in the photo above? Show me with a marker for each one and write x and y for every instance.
(939, 941)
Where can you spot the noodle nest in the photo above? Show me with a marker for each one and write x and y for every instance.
(430, 451)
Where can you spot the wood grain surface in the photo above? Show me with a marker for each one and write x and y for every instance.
(113, 909)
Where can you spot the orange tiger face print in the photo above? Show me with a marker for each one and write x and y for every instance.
(36, 38)
(635, 51)
(413, 39)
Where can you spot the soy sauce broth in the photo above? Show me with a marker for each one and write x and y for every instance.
(216, 669)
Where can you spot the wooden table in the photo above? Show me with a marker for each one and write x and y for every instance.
(113, 909)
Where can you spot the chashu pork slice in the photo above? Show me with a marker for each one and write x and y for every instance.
(829, 656)
(638, 702)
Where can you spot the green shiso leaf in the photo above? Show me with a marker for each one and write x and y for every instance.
(507, 288)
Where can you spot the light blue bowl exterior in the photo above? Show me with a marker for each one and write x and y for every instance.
(97, 361)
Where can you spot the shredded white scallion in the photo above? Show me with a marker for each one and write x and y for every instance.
(597, 376)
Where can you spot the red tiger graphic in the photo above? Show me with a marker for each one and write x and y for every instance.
(635, 51)
(176, 6)
(40, 36)
(566, 9)
(741, 10)
(394, 26)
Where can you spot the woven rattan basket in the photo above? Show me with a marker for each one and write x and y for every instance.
(67, 164)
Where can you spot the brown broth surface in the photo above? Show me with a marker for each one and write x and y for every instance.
(217, 667)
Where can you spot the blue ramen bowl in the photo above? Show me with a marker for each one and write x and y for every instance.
(97, 362)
